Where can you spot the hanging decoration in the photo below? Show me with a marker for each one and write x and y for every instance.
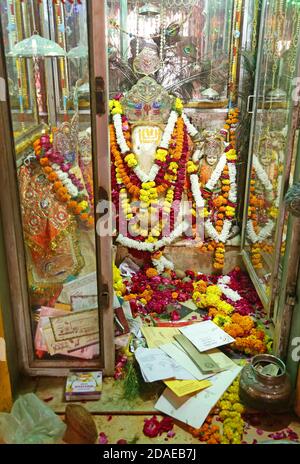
(55, 2)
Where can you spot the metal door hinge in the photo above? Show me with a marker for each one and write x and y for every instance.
(100, 95)
(104, 296)
(291, 300)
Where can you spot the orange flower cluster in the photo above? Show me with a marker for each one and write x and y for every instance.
(252, 344)
(210, 246)
(230, 126)
(208, 433)
(61, 193)
(219, 257)
(134, 190)
(151, 272)
(178, 134)
(248, 339)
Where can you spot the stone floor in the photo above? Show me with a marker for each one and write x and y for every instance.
(119, 419)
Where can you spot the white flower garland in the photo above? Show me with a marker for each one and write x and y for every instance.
(214, 235)
(262, 175)
(162, 263)
(264, 233)
(165, 142)
(223, 283)
(233, 187)
(196, 191)
(151, 247)
(192, 131)
(66, 181)
(217, 172)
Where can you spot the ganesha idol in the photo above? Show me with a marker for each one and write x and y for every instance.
(156, 158)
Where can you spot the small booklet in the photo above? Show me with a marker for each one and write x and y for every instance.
(83, 385)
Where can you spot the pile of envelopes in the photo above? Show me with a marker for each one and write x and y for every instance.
(187, 359)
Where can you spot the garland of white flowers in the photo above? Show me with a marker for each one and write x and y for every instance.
(165, 142)
(263, 234)
(65, 180)
(223, 283)
(162, 263)
(267, 229)
(196, 191)
(262, 175)
(197, 195)
(233, 185)
(214, 235)
(192, 131)
(214, 178)
(152, 247)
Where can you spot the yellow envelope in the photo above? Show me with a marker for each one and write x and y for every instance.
(157, 336)
(186, 387)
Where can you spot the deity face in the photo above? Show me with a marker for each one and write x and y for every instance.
(266, 157)
(212, 158)
(212, 150)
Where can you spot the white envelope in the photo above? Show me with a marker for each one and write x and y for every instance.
(206, 335)
(175, 352)
(195, 409)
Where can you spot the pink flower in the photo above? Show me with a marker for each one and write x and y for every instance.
(166, 425)
(151, 427)
(103, 440)
(175, 316)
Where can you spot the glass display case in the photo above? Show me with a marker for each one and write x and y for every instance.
(139, 101)
(61, 285)
(273, 143)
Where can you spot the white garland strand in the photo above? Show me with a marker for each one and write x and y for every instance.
(217, 173)
(223, 283)
(66, 181)
(165, 141)
(192, 131)
(196, 191)
(264, 233)
(214, 235)
(197, 195)
(262, 175)
(151, 247)
(162, 263)
(233, 187)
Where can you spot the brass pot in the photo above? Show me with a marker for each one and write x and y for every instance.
(268, 393)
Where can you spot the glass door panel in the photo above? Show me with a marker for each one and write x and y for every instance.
(192, 37)
(272, 140)
(47, 56)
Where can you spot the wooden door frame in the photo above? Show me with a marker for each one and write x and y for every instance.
(12, 225)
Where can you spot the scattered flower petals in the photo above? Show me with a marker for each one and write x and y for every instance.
(102, 440)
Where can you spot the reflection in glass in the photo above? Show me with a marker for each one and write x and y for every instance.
(192, 38)
(46, 50)
(271, 134)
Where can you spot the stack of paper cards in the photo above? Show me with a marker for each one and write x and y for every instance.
(84, 386)
(73, 334)
(193, 410)
(206, 335)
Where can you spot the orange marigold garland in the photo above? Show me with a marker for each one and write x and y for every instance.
(66, 187)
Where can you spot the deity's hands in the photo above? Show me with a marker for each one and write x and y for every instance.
(197, 155)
